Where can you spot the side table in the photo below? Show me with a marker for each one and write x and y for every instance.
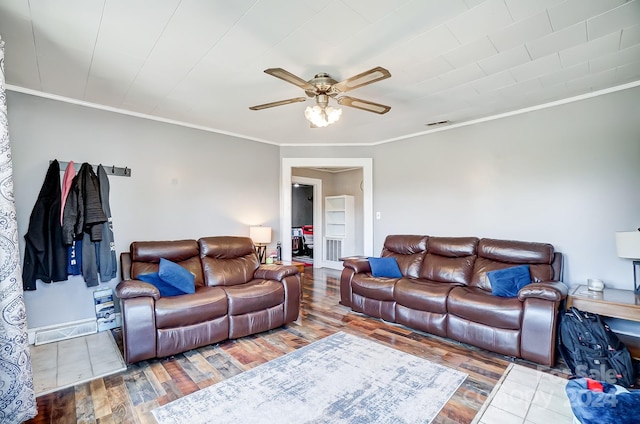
(614, 303)
(298, 265)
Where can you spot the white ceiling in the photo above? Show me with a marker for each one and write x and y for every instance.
(201, 62)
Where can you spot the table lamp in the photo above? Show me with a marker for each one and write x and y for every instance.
(628, 246)
(261, 236)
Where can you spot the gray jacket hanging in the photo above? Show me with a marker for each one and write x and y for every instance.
(106, 248)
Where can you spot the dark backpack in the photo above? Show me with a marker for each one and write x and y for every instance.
(590, 349)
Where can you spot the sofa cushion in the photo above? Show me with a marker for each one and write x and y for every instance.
(228, 260)
(452, 247)
(447, 270)
(423, 295)
(254, 296)
(517, 252)
(174, 250)
(477, 305)
(145, 257)
(371, 287)
(507, 282)
(408, 250)
(385, 267)
(498, 254)
(206, 304)
(405, 244)
(538, 272)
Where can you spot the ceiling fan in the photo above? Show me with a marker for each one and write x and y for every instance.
(322, 87)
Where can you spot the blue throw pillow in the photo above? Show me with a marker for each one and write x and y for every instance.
(171, 279)
(385, 267)
(508, 282)
(164, 288)
(176, 276)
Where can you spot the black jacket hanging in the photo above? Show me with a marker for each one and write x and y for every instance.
(45, 256)
(83, 211)
(82, 220)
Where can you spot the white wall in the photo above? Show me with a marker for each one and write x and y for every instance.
(348, 182)
(568, 175)
(185, 183)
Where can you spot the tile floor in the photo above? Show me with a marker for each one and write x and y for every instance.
(73, 361)
(527, 396)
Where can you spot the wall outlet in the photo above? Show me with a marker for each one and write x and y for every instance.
(378, 215)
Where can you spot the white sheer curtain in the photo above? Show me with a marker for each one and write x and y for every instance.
(17, 397)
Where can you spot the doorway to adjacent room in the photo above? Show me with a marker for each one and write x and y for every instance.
(306, 194)
(365, 187)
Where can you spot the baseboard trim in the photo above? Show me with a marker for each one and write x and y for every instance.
(64, 331)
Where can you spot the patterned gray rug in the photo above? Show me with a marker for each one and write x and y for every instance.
(339, 379)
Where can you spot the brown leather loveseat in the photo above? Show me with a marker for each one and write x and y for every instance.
(444, 290)
(234, 296)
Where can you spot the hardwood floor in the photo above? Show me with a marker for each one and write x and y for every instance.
(128, 397)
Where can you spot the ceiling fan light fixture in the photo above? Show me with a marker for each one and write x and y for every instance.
(321, 116)
(322, 87)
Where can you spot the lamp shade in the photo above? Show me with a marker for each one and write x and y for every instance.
(260, 235)
(628, 244)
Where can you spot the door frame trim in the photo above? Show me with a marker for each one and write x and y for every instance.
(285, 196)
(318, 234)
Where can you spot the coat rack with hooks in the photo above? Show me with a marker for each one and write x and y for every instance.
(110, 169)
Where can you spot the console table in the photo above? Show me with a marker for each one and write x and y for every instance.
(614, 303)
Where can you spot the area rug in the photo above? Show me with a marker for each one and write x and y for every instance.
(339, 379)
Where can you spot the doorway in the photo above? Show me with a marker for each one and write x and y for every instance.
(366, 164)
(306, 220)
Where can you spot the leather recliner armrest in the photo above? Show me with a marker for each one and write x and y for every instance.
(136, 288)
(554, 291)
(275, 272)
(358, 265)
(125, 266)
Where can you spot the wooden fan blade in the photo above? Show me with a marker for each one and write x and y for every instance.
(290, 78)
(278, 103)
(367, 77)
(364, 105)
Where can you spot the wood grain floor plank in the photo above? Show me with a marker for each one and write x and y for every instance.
(63, 410)
(158, 370)
(84, 403)
(182, 380)
(120, 403)
(106, 420)
(226, 365)
(153, 380)
(205, 370)
(100, 399)
(190, 368)
(172, 393)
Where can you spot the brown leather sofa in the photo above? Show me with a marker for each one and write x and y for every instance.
(234, 296)
(444, 290)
